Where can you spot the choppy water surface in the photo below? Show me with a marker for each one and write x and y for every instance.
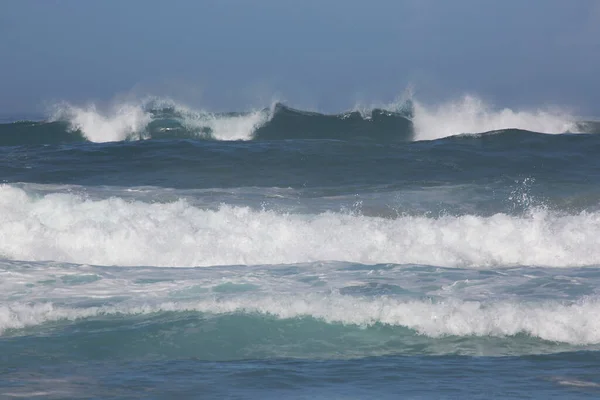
(159, 252)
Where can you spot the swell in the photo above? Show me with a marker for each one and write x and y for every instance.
(396, 123)
(307, 326)
(278, 123)
(379, 125)
(507, 156)
(26, 133)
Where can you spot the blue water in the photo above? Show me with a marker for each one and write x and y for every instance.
(160, 252)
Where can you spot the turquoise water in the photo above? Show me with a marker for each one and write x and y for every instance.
(159, 252)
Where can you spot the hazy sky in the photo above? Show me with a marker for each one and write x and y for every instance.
(327, 54)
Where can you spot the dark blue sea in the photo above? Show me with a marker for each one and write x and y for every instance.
(149, 250)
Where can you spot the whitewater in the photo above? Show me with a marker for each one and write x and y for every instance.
(70, 228)
(278, 252)
(133, 119)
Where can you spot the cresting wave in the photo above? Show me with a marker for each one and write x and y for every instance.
(468, 115)
(472, 115)
(149, 118)
(164, 119)
(573, 323)
(70, 228)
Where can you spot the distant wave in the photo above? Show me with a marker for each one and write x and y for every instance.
(165, 119)
(472, 115)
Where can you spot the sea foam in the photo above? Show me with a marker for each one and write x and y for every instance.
(573, 323)
(71, 228)
(226, 127)
(466, 115)
(471, 114)
(121, 122)
(129, 120)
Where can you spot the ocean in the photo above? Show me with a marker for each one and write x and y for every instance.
(150, 250)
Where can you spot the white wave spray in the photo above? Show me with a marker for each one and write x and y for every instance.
(572, 323)
(239, 126)
(67, 227)
(129, 120)
(121, 122)
(470, 115)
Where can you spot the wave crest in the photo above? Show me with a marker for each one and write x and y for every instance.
(124, 121)
(572, 323)
(157, 118)
(70, 228)
(472, 115)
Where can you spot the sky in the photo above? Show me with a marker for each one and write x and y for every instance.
(326, 55)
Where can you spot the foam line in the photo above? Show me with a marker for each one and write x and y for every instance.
(70, 228)
(574, 323)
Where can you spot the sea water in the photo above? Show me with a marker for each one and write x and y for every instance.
(155, 251)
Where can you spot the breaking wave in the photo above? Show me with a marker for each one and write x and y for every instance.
(572, 323)
(71, 228)
(165, 119)
(472, 115)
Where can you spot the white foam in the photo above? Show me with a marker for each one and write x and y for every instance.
(121, 122)
(574, 323)
(67, 227)
(472, 115)
(227, 127)
(566, 381)
(129, 120)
